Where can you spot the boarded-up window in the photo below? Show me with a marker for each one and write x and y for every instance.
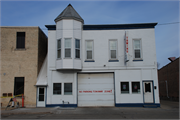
(19, 85)
(20, 40)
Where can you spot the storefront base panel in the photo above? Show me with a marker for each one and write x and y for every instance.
(135, 104)
(61, 105)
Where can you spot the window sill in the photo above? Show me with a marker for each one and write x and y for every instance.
(68, 58)
(89, 61)
(113, 61)
(138, 60)
(20, 49)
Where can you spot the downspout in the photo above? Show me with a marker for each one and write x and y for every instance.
(167, 89)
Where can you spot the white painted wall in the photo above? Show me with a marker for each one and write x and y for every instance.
(133, 71)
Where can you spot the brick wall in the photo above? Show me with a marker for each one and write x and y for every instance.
(169, 73)
(19, 62)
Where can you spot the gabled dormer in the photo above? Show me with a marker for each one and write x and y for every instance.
(68, 36)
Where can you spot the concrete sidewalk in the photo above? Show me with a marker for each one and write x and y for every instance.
(165, 105)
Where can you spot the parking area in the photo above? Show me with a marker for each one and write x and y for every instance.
(168, 110)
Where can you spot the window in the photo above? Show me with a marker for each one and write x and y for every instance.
(56, 88)
(113, 49)
(124, 87)
(19, 85)
(59, 48)
(41, 94)
(77, 47)
(135, 87)
(20, 43)
(67, 88)
(137, 49)
(147, 87)
(89, 50)
(67, 48)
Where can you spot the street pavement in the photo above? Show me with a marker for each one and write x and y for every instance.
(168, 110)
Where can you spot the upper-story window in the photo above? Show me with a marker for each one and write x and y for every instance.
(113, 49)
(137, 49)
(67, 47)
(20, 43)
(89, 50)
(77, 48)
(59, 48)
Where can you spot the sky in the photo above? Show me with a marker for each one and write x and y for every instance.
(41, 13)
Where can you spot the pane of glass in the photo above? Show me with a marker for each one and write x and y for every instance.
(89, 54)
(137, 54)
(112, 45)
(147, 87)
(56, 88)
(124, 87)
(67, 43)
(59, 43)
(136, 44)
(77, 53)
(67, 88)
(41, 90)
(59, 54)
(41, 97)
(77, 43)
(113, 53)
(89, 45)
(67, 52)
(19, 85)
(135, 87)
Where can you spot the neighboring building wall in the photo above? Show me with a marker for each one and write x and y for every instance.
(169, 73)
(20, 62)
(42, 49)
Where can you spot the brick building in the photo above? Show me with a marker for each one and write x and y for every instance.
(168, 77)
(23, 50)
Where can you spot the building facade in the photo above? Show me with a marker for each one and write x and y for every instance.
(98, 65)
(168, 77)
(23, 50)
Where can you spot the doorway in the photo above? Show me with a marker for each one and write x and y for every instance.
(41, 96)
(148, 92)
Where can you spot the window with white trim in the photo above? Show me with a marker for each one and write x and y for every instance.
(89, 50)
(125, 87)
(113, 49)
(67, 88)
(137, 49)
(135, 87)
(59, 48)
(67, 48)
(56, 88)
(77, 48)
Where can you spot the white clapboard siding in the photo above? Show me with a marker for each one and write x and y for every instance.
(95, 89)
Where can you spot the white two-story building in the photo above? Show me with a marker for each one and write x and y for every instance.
(98, 65)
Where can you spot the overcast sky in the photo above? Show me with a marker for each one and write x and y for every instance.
(40, 13)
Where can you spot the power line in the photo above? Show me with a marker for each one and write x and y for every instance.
(169, 23)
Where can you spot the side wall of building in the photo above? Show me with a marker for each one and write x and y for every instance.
(169, 81)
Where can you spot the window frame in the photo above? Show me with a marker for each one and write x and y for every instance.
(141, 57)
(78, 49)
(128, 86)
(61, 89)
(116, 49)
(89, 50)
(71, 88)
(59, 48)
(139, 87)
(17, 40)
(67, 48)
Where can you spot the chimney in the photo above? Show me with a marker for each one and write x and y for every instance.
(172, 58)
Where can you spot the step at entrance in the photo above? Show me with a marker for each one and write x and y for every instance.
(149, 106)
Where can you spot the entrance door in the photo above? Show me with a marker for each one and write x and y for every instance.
(41, 97)
(148, 92)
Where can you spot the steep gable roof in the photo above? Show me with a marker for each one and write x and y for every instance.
(69, 13)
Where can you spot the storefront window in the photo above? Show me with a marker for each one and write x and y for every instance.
(124, 87)
(135, 87)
